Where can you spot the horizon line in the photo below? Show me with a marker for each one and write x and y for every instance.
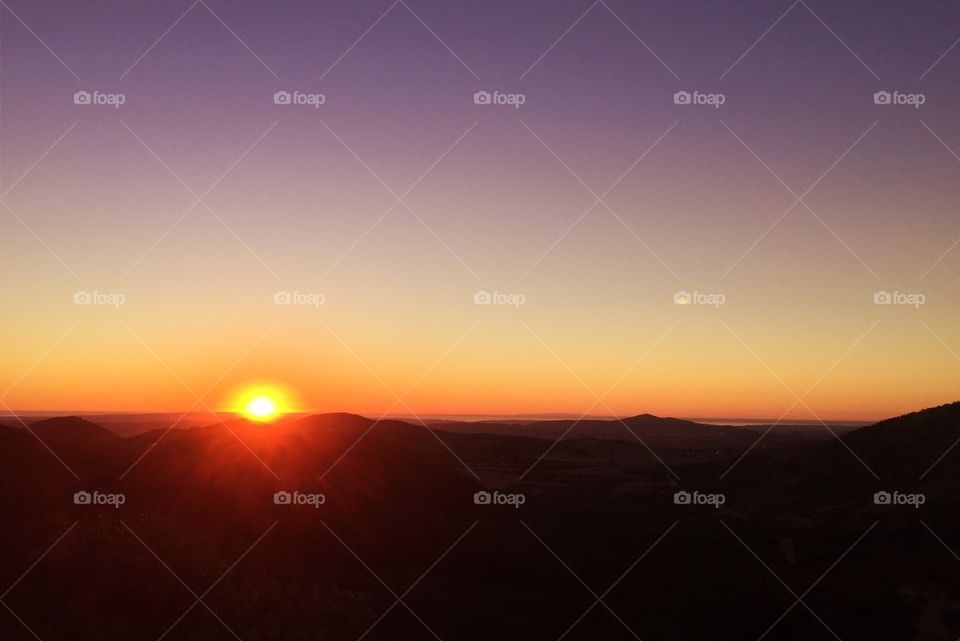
(461, 417)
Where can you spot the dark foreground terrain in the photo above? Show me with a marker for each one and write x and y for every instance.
(182, 537)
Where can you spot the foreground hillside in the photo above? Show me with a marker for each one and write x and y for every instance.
(396, 500)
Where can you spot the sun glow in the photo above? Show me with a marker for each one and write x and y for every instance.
(261, 408)
(262, 403)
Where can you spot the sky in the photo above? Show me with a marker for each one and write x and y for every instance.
(173, 232)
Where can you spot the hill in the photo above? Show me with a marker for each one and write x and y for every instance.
(398, 501)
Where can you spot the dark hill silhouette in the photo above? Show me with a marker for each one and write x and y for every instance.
(914, 452)
(399, 499)
(72, 430)
(655, 430)
(906, 446)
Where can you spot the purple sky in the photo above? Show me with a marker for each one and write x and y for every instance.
(300, 200)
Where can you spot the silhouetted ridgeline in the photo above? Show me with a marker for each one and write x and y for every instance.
(395, 497)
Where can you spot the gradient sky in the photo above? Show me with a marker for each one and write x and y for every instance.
(94, 200)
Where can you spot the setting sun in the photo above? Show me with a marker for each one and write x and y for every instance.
(261, 403)
(261, 408)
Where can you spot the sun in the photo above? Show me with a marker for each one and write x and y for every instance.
(261, 403)
(261, 408)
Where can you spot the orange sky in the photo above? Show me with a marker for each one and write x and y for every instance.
(489, 360)
(593, 204)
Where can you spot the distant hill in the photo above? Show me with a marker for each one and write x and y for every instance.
(641, 424)
(73, 430)
(668, 432)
